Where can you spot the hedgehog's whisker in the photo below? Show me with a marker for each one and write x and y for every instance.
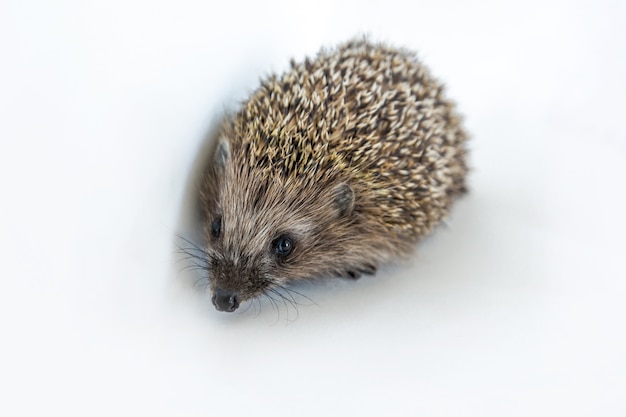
(285, 301)
(192, 268)
(246, 309)
(274, 305)
(255, 301)
(289, 299)
(194, 261)
(194, 245)
(191, 256)
(186, 251)
(199, 280)
(291, 291)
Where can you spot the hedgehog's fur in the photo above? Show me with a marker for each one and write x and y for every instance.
(354, 154)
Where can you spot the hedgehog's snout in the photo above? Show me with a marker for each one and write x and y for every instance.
(225, 300)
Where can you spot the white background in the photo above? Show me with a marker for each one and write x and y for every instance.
(516, 307)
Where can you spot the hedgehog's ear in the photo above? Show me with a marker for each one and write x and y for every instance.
(222, 153)
(343, 199)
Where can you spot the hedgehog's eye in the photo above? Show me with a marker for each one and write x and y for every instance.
(216, 227)
(283, 246)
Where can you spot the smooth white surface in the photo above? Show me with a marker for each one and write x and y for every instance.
(517, 307)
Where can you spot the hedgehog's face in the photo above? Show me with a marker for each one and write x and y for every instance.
(263, 233)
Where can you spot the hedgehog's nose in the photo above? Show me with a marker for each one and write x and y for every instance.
(225, 300)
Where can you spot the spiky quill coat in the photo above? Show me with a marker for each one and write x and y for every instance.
(354, 154)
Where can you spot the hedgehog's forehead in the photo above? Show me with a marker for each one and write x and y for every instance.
(256, 208)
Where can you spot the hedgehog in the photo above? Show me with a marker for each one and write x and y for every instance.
(337, 166)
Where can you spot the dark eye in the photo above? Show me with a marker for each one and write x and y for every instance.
(283, 246)
(216, 227)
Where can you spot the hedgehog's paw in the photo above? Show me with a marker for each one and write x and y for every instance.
(352, 273)
(356, 273)
(368, 269)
